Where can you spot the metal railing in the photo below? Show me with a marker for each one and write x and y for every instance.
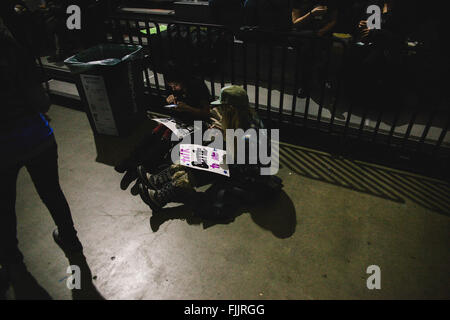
(272, 67)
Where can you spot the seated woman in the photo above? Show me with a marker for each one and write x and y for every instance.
(318, 17)
(312, 19)
(177, 183)
(187, 91)
(192, 99)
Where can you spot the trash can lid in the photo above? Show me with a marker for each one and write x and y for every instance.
(103, 55)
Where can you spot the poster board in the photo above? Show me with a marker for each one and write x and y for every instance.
(204, 158)
(180, 130)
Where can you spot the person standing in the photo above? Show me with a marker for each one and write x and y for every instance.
(27, 140)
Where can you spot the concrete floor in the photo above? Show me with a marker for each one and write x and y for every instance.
(314, 242)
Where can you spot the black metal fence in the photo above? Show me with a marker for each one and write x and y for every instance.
(274, 68)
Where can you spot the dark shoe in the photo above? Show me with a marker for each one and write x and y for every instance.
(68, 243)
(144, 176)
(155, 181)
(120, 168)
(157, 199)
(128, 178)
(156, 220)
(149, 198)
(125, 165)
(134, 190)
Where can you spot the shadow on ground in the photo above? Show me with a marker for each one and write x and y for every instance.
(111, 150)
(87, 290)
(20, 284)
(382, 182)
(277, 216)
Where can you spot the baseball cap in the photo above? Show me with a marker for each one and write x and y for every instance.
(234, 95)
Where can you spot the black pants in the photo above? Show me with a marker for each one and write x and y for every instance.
(43, 170)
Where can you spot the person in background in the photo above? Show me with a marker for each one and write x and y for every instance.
(379, 50)
(57, 29)
(318, 17)
(313, 18)
(374, 64)
(15, 16)
(188, 92)
(28, 141)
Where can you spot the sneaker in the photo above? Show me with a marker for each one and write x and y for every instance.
(129, 176)
(134, 190)
(154, 181)
(149, 198)
(156, 220)
(125, 165)
(144, 177)
(69, 244)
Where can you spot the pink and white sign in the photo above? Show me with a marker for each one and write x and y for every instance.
(204, 158)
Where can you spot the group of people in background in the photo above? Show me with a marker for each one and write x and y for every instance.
(404, 57)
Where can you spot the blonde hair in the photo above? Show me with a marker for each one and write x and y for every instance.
(235, 117)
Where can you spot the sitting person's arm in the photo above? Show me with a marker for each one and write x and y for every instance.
(298, 18)
(215, 119)
(329, 26)
(194, 101)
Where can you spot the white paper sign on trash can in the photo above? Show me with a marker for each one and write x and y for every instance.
(99, 106)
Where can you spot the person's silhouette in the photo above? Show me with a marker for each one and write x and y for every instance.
(27, 140)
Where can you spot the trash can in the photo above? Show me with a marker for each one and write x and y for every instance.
(111, 86)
